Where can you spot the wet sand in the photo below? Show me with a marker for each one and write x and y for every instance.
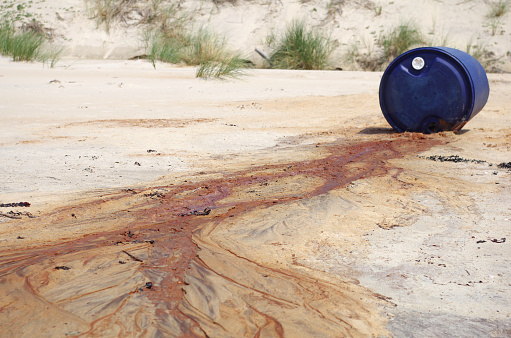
(281, 204)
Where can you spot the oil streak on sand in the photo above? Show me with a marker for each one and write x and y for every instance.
(286, 206)
(160, 260)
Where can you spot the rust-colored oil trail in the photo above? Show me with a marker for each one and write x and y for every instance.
(152, 262)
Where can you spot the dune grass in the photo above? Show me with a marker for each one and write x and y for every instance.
(170, 36)
(232, 66)
(360, 55)
(476, 50)
(165, 48)
(156, 13)
(301, 48)
(20, 45)
(201, 48)
(105, 12)
(377, 10)
(480, 52)
(376, 56)
(26, 45)
(399, 39)
(497, 9)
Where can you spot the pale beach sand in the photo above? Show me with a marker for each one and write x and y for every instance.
(278, 204)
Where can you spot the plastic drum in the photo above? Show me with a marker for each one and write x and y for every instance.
(433, 89)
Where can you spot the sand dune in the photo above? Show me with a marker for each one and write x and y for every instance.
(246, 25)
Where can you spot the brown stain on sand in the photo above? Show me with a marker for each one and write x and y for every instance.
(142, 123)
(160, 235)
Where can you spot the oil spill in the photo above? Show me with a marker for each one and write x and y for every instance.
(113, 246)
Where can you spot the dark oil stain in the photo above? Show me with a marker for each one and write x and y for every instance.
(166, 222)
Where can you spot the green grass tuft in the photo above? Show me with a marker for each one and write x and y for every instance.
(26, 45)
(377, 10)
(480, 52)
(361, 55)
(498, 8)
(301, 48)
(165, 48)
(233, 67)
(168, 35)
(155, 13)
(105, 12)
(400, 39)
(202, 48)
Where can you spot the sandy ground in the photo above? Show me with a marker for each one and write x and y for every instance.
(281, 204)
(352, 25)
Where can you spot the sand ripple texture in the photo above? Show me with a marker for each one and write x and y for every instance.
(330, 225)
(204, 258)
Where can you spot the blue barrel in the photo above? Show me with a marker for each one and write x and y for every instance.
(433, 89)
